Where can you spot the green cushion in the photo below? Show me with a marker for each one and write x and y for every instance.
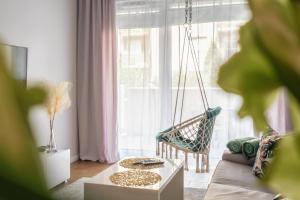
(250, 148)
(236, 145)
(161, 136)
(213, 112)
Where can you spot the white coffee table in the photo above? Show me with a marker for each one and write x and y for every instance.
(169, 188)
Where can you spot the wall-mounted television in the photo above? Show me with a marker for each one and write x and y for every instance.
(17, 61)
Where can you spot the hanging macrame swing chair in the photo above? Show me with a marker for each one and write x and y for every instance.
(193, 135)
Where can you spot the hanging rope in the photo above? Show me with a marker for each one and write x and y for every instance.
(184, 85)
(179, 79)
(197, 64)
(191, 48)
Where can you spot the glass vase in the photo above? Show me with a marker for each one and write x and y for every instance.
(52, 143)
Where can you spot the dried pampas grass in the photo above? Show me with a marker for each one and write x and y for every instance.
(58, 98)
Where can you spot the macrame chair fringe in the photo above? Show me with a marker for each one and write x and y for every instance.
(193, 135)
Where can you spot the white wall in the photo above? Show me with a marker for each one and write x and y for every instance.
(48, 29)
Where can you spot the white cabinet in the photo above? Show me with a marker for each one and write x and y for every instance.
(56, 167)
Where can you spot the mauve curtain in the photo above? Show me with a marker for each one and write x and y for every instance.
(97, 81)
(278, 114)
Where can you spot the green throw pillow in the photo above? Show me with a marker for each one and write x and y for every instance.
(236, 145)
(250, 148)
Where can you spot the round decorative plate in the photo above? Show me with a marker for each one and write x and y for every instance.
(135, 178)
(130, 164)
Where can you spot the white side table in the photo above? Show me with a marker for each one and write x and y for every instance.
(169, 188)
(56, 167)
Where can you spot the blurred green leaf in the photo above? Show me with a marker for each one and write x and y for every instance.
(277, 30)
(284, 174)
(294, 110)
(270, 59)
(20, 167)
(32, 96)
(278, 36)
(250, 74)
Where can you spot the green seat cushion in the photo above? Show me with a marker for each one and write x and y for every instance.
(213, 112)
(161, 136)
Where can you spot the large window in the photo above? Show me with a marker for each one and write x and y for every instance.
(150, 40)
(138, 56)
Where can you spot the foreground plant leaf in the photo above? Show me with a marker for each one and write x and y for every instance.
(270, 51)
(278, 36)
(250, 74)
(284, 174)
(21, 176)
(277, 29)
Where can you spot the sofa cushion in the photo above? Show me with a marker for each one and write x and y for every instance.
(237, 158)
(228, 192)
(230, 173)
(267, 147)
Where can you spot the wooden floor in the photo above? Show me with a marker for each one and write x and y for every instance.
(81, 169)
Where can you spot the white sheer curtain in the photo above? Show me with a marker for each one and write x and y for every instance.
(150, 40)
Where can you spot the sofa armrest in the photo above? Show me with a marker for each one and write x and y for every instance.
(237, 158)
